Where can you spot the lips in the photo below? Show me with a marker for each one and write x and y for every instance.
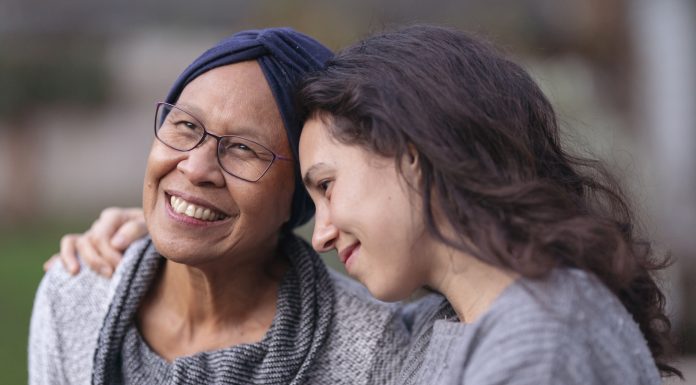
(346, 254)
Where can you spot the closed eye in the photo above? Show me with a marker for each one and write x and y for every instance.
(324, 186)
(186, 124)
(240, 150)
(239, 146)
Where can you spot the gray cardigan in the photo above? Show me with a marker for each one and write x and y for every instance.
(364, 342)
(567, 329)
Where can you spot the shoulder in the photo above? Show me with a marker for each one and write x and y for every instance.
(67, 315)
(367, 336)
(65, 295)
(419, 315)
(356, 312)
(63, 323)
(363, 331)
(568, 299)
(567, 328)
(605, 334)
(87, 289)
(353, 304)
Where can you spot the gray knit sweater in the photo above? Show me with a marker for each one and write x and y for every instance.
(80, 331)
(567, 329)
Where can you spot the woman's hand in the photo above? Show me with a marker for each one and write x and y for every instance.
(102, 246)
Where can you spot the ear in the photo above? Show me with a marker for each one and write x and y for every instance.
(410, 166)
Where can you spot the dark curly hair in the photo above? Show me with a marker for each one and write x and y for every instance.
(491, 160)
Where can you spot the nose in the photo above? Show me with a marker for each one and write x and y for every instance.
(325, 232)
(201, 166)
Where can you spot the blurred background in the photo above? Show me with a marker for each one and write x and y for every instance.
(79, 80)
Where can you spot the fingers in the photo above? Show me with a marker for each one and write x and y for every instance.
(100, 260)
(94, 246)
(102, 246)
(47, 265)
(68, 253)
(131, 231)
(108, 223)
(135, 213)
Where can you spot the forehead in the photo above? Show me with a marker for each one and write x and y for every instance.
(235, 100)
(314, 140)
(323, 155)
(319, 150)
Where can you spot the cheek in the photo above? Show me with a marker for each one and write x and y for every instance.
(154, 170)
(160, 162)
(284, 188)
(269, 199)
(395, 219)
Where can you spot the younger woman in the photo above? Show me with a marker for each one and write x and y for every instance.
(434, 161)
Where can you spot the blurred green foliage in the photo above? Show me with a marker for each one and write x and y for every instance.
(23, 252)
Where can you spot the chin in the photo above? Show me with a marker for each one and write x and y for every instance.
(386, 293)
(179, 250)
(174, 254)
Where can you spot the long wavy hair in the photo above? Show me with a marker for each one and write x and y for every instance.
(492, 162)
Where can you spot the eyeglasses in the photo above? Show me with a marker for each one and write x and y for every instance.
(239, 157)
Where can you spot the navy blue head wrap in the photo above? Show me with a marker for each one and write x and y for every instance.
(285, 57)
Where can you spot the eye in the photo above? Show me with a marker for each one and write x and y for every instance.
(239, 146)
(240, 150)
(186, 124)
(324, 186)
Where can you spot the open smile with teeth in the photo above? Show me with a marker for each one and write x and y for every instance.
(194, 211)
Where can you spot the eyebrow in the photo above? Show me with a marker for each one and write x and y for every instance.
(309, 176)
(190, 109)
(247, 132)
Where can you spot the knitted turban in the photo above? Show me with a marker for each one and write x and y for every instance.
(285, 57)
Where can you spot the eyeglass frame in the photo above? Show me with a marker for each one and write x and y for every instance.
(218, 138)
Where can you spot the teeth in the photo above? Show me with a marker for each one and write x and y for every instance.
(189, 209)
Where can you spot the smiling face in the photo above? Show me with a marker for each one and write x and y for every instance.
(197, 213)
(366, 211)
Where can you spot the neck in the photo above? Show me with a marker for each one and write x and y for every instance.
(221, 294)
(200, 308)
(469, 284)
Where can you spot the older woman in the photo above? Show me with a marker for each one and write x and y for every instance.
(221, 292)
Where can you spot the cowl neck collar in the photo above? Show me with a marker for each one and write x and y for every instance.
(284, 356)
